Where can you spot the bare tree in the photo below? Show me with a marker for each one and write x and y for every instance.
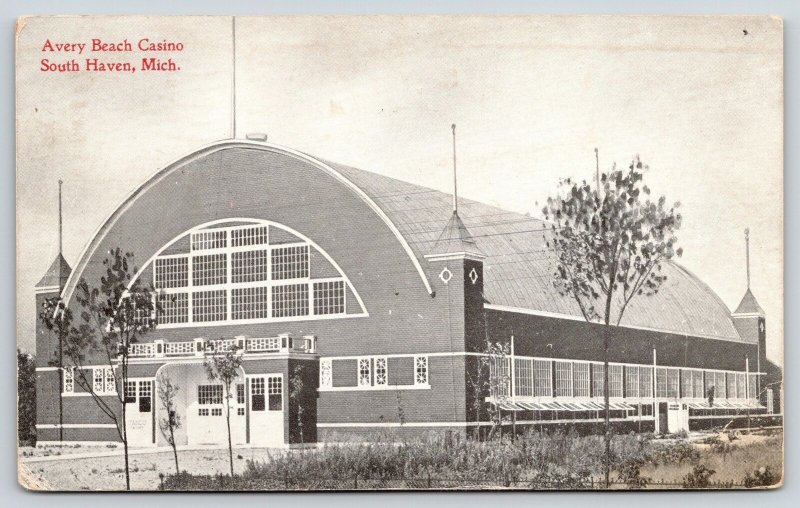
(171, 420)
(113, 316)
(225, 366)
(610, 244)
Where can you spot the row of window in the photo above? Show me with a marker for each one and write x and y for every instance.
(373, 371)
(277, 263)
(103, 380)
(265, 395)
(263, 302)
(241, 236)
(564, 378)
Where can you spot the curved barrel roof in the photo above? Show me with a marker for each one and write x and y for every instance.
(518, 266)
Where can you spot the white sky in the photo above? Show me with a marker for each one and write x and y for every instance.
(700, 101)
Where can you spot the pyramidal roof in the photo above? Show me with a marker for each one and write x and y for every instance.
(749, 305)
(57, 275)
(455, 238)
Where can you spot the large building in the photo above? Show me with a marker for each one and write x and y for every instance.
(380, 298)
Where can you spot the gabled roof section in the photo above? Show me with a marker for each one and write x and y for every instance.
(57, 274)
(749, 305)
(455, 239)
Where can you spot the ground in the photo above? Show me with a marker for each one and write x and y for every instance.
(101, 468)
(731, 456)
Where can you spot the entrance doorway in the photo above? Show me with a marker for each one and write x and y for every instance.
(266, 406)
(139, 412)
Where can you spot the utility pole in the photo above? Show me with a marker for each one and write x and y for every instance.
(455, 176)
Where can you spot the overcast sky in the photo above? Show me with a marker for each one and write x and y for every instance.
(699, 99)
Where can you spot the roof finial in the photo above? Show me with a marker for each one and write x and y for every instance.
(233, 78)
(747, 251)
(60, 241)
(455, 177)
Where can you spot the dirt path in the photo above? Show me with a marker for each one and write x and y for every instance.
(66, 472)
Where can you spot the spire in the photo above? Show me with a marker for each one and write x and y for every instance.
(455, 176)
(455, 240)
(59, 271)
(749, 304)
(233, 77)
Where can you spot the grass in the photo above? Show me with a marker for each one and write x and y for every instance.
(535, 460)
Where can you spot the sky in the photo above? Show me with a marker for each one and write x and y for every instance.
(699, 99)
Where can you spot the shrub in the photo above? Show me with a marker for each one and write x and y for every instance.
(698, 478)
(762, 477)
(630, 474)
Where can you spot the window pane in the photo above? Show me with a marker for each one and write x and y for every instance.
(631, 381)
(598, 380)
(381, 372)
(325, 372)
(615, 380)
(563, 379)
(214, 239)
(174, 308)
(250, 266)
(645, 382)
(172, 272)
(673, 383)
(543, 378)
(290, 262)
(580, 373)
(257, 395)
(364, 372)
(329, 297)
(420, 370)
(209, 394)
(275, 387)
(290, 300)
(523, 372)
(250, 303)
(209, 306)
(209, 270)
(256, 235)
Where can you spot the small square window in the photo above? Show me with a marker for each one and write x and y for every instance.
(240, 411)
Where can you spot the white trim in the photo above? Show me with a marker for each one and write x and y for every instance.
(76, 426)
(45, 369)
(46, 289)
(558, 315)
(69, 444)
(454, 256)
(373, 388)
(747, 315)
(397, 424)
(234, 322)
(87, 394)
(95, 240)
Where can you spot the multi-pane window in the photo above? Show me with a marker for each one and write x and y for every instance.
(721, 386)
(209, 394)
(290, 262)
(69, 380)
(598, 380)
(420, 370)
(256, 235)
(645, 382)
(661, 382)
(98, 385)
(632, 381)
(710, 380)
(240, 399)
(687, 388)
(615, 380)
(581, 381)
(110, 381)
(249, 266)
(741, 388)
(364, 372)
(381, 371)
(543, 378)
(209, 306)
(145, 396)
(523, 372)
(214, 239)
(174, 308)
(697, 383)
(752, 386)
(730, 377)
(130, 392)
(325, 373)
(499, 376)
(172, 272)
(209, 270)
(290, 300)
(329, 297)
(257, 395)
(275, 389)
(250, 303)
(563, 379)
(673, 383)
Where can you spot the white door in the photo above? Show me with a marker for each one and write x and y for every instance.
(139, 412)
(206, 416)
(266, 410)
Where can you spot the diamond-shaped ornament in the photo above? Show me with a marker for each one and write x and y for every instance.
(473, 276)
(446, 275)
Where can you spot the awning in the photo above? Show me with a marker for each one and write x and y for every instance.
(726, 404)
(562, 406)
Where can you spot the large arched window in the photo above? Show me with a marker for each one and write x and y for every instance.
(247, 271)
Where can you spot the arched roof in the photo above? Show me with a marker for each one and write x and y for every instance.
(518, 266)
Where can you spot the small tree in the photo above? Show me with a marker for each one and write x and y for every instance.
(113, 316)
(224, 366)
(26, 399)
(171, 420)
(296, 396)
(489, 378)
(610, 245)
